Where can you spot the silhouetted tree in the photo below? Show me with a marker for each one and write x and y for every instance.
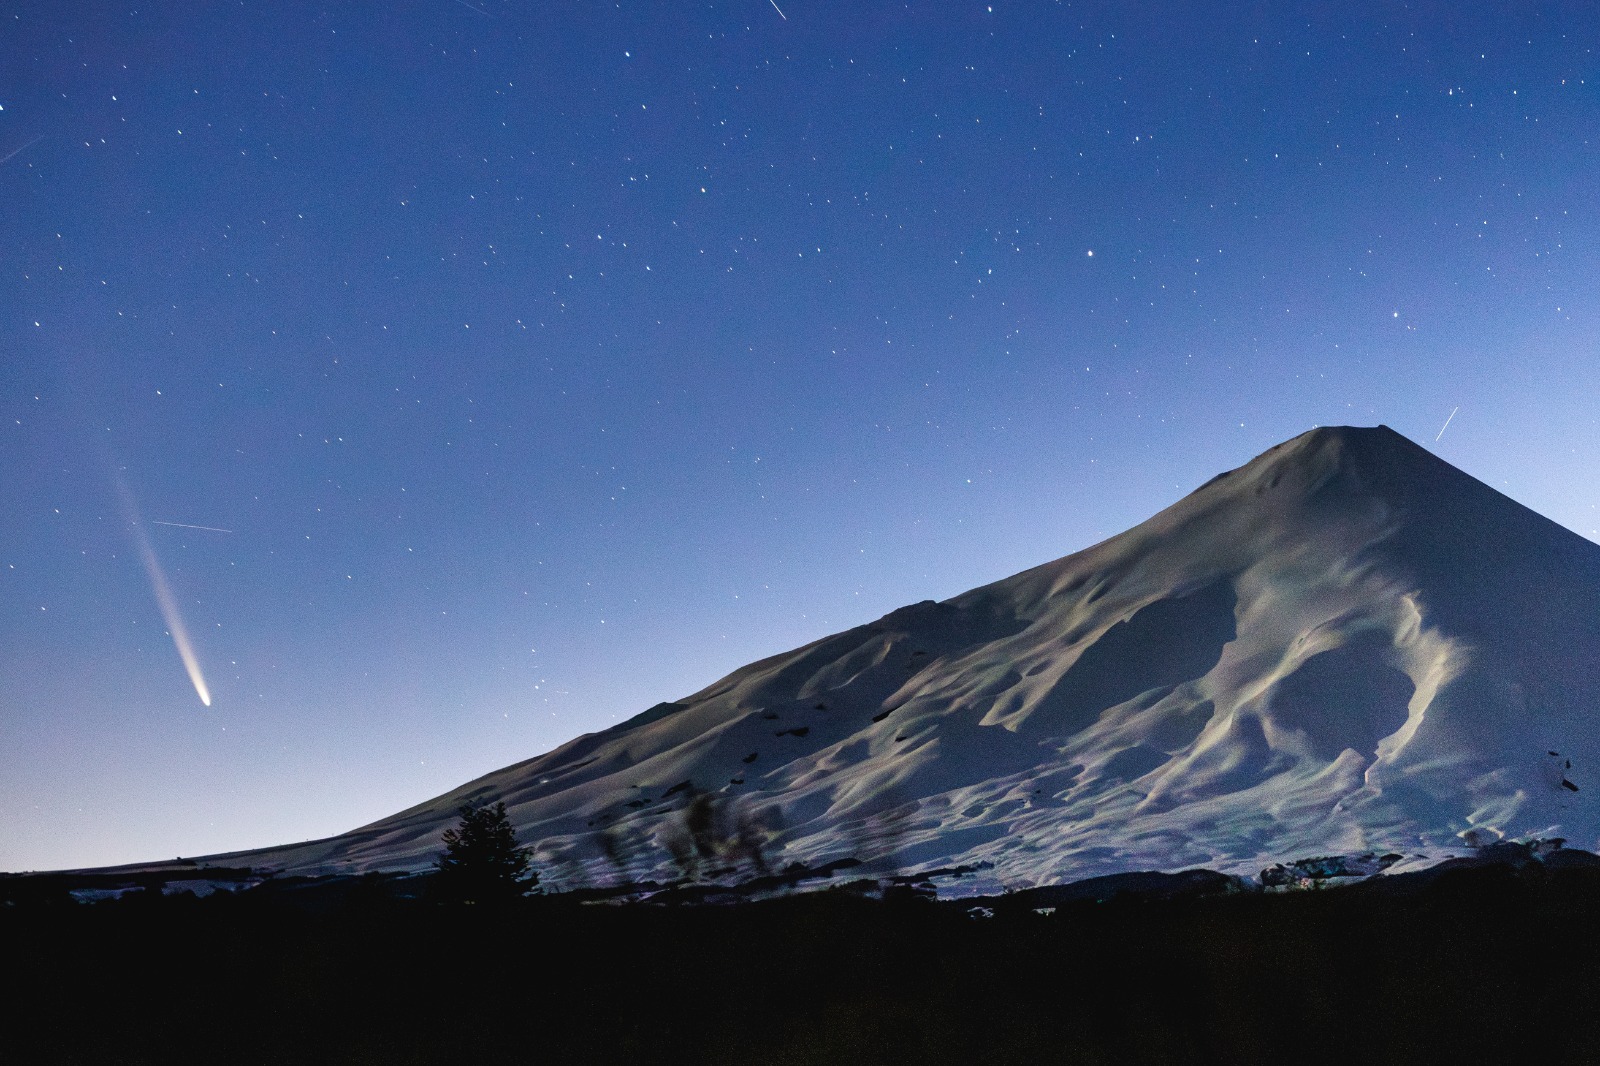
(482, 862)
(714, 828)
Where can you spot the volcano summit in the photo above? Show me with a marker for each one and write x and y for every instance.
(1346, 645)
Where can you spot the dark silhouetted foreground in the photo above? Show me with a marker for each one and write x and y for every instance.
(1493, 963)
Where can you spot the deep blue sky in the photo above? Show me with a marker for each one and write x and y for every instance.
(545, 361)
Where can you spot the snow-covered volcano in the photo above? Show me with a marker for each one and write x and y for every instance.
(1346, 645)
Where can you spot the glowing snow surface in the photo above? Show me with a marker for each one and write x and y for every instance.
(1345, 646)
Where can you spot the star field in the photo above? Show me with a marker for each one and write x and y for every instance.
(482, 374)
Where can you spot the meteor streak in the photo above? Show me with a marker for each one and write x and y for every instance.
(165, 600)
(18, 151)
(185, 525)
(1446, 425)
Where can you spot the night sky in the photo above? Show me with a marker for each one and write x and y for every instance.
(534, 363)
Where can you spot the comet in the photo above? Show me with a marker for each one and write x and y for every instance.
(165, 601)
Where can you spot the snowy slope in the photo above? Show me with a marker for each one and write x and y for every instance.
(1346, 645)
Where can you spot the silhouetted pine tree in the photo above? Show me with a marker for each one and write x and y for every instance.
(482, 862)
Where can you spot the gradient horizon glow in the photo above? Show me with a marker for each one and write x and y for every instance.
(487, 373)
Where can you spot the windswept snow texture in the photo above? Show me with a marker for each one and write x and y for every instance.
(1345, 646)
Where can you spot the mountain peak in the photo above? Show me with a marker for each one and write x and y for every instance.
(1344, 645)
(1370, 454)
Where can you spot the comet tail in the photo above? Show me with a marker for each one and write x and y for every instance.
(167, 603)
